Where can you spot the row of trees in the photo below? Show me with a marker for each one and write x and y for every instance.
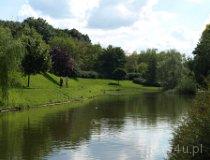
(34, 47)
(169, 69)
(37, 47)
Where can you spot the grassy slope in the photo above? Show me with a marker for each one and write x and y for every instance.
(43, 90)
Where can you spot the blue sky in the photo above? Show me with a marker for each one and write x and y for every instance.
(131, 24)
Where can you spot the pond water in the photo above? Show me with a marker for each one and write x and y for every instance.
(113, 127)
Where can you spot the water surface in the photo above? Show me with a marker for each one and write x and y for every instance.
(114, 127)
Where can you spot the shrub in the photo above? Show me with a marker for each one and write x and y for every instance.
(15, 81)
(131, 76)
(187, 85)
(192, 139)
(142, 81)
(139, 80)
(119, 74)
(88, 74)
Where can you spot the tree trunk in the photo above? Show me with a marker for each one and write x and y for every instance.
(29, 80)
(67, 84)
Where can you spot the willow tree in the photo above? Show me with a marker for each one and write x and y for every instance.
(10, 53)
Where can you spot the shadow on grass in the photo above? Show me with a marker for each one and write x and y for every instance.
(47, 76)
(113, 84)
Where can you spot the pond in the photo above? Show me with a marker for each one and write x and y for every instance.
(113, 127)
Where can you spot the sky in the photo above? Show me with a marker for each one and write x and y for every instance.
(134, 25)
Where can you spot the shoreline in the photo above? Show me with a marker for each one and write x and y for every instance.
(44, 93)
(58, 103)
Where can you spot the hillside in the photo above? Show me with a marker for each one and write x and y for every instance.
(45, 90)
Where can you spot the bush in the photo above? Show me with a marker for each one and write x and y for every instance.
(187, 85)
(142, 81)
(192, 139)
(15, 80)
(132, 76)
(119, 74)
(139, 80)
(88, 74)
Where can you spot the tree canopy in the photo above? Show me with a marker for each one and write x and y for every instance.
(111, 59)
(202, 57)
(36, 59)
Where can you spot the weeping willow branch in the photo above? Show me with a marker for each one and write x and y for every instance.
(10, 53)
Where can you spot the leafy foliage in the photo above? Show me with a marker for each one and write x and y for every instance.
(111, 59)
(170, 69)
(193, 132)
(202, 60)
(36, 59)
(14, 27)
(41, 26)
(151, 73)
(62, 63)
(10, 54)
(88, 74)
(75, 34)
(132, 76)
(119, 74)
(187, 85)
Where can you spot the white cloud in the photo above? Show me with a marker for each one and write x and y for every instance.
(195, 1)
(81, 8)
(26, 11)
(152, 28)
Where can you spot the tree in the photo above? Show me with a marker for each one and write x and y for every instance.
(62, 63)
(119, 74)
(202, 57)
(87, 56)
(132, 63)
(170, 69)
(75, 34)
(41, 26)
(151, 73)
(111, 59)
(65, 43)
(37, 58)
(142, 68)
(63, 57)
(10, 55)
(13, 26)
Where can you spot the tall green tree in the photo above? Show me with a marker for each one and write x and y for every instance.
(132, 63)
(87, 55)
(170, 69)
(37, 58)
(151, 73)
(111, 59)
(202, 57)
(10, 54)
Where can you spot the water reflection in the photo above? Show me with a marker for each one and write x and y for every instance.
(136, 127)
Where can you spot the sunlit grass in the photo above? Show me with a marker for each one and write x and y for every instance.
(43, 91)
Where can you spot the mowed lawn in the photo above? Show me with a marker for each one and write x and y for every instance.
(45, 89)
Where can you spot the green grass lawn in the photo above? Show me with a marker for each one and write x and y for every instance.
(44, 90)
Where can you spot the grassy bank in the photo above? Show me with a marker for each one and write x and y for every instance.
(45, 90)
